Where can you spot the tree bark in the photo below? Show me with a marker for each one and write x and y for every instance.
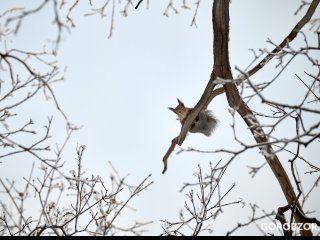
(220, 18)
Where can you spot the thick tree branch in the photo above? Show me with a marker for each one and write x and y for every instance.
(291, 36)
(222, 70)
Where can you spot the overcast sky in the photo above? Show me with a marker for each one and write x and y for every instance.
(119, 90)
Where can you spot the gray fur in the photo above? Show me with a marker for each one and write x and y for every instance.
(205, 124)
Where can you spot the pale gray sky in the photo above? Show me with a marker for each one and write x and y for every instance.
(119, 91)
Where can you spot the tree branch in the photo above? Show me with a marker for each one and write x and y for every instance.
(222, 70)
(291, 36)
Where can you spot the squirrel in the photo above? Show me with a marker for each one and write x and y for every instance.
(204, 123)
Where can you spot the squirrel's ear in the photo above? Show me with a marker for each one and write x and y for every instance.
(172, 109)
(180, 103)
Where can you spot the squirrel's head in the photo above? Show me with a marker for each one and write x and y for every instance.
(180, 110)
